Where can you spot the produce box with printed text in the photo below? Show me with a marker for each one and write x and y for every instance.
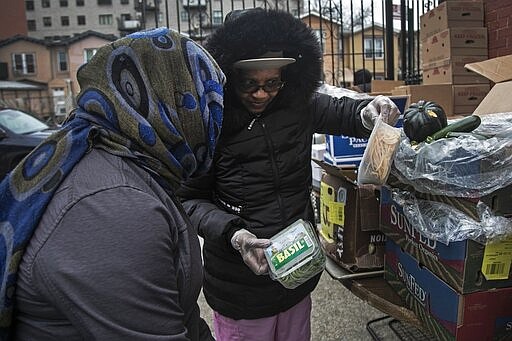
(452, 70)
(458, 41)
(349, 216)
(467, 266)
(444, 312)
(451, 14)
(460, 99)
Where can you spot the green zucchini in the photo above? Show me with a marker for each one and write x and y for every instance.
(464, 125)
(457, 134)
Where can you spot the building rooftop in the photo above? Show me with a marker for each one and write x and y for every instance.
(17, 85)
(67, 41)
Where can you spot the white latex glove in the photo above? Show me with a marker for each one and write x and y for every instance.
(383, 106)
(251, 249)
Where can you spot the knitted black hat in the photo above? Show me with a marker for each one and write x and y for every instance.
(251, 33)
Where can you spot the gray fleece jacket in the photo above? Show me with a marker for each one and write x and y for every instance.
(113, 258)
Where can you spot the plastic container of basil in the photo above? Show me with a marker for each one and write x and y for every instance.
(295, 255)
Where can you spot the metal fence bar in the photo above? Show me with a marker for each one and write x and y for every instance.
(339, 19)
(373, 22)
(373, 35)
(403, 39)
(390, 44)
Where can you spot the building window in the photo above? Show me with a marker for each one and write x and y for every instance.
(63, 3)
(184, 15)
(104, 2)
(64, 21)
(58, 92)
(217, 17)
(31, 25)
(125, 2)
(47, 21)
(62, 61)
(24, 63)
(29, 5)
(88, 53)
(79, 3)
(45, 3)
(80, 20)
(374, 48)
(320, 35)
(106, 19)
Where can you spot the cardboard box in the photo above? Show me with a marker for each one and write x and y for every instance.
(468, 95)
(453, 71)
(454, 99)
(499, 71)
(349, 220)
(459, 264)
(454, 42)
(381, 86)
(445, 313)
(344, 151)
(439, 93)
(451, 14)
(348, 151)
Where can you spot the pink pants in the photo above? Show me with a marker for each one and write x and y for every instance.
(291, 325)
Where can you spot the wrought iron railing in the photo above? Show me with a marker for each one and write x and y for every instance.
(381, 36)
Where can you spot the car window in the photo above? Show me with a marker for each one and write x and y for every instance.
(20, 123)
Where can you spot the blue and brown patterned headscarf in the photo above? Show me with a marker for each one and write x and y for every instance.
(154, 97)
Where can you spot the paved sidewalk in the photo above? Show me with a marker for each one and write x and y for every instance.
(337, 314)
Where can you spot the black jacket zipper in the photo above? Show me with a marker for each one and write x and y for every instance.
(277, 178)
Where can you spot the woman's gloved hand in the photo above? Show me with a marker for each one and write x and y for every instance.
(383, 106)
(251, 249)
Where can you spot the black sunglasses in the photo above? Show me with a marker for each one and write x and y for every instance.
(250, 86)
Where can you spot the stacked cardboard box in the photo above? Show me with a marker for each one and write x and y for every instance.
(444, 312)
(459, 291)
(463, 290)
(452, 35)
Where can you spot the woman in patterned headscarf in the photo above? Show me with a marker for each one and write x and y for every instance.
(94, 244)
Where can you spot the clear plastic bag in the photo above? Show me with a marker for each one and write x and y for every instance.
(338, 92)
(379, 153)
(460, 167)
(445, 223)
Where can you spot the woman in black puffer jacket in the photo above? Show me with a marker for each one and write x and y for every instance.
(261, 178)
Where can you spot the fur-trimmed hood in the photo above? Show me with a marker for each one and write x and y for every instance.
(254, 32)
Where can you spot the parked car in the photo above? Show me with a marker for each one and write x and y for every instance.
(19, 134)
